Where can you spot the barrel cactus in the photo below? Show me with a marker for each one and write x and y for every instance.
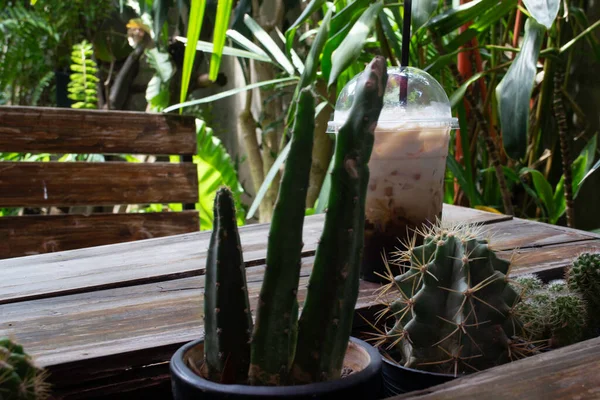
(456, 312)
(20, 378)
(584, 278)
(281, 349)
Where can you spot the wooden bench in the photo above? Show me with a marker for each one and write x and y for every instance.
(71, 184)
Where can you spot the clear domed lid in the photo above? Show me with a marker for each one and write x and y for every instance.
(423, 101)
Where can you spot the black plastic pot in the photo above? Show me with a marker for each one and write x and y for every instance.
(398, 379)
(364, 384)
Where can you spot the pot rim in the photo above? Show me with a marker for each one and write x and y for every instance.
(396, 365)
(179, 367)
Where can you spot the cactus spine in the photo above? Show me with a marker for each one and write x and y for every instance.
(325, 323)
(456, 312)
(20, 379)
(584, 278)
(227, 317)
(277, 309)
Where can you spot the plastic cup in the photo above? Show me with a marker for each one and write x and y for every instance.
(407, 165)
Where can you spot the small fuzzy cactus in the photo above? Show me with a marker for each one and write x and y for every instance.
(20, 378)
(456, 310)
(584, 278)
(567, 318)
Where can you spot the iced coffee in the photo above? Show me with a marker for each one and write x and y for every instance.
(406, 189)
(407, 165)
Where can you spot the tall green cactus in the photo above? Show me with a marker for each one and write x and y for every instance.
(20, 378)
(456, 311)
(227, 316)
(277, 310)
(326, 320)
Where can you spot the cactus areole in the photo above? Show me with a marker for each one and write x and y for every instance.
(280, 350)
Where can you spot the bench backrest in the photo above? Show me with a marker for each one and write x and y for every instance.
(68, 184)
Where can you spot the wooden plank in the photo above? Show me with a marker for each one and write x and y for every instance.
(38, 234)
(60, 130)
(74, 328)
(81, 183)
(567, 373)
(151, 260)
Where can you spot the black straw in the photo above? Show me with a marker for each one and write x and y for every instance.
(405, 50)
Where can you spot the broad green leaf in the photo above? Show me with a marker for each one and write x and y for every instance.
(333, 42)
(589, 151)
(194, 25)
(421, 12)
(221, 25)
(228, 51)
(161, 63)
(215, 169)
(247, 44)
(453, 18)
(353, 43)
(457, 96)
(313, 6)
(269, 44)
(482, 24)
(542, 188)
(578, 170)
(228, 93)
(514, 92)
(544, 11)
(157, 94)
(348, 13)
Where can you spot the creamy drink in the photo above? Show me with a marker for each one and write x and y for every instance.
(407, 165)
(406, 189)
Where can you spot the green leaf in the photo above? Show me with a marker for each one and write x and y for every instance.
(482, 23)
(157, 94)
(457, 96)
(311, 64)
(293, 55)
(351, 12)
(247, 44)
(161, 63)
(514, 92)
(313, 6)
(465, 183)
(453, 18)
(323, 199)
(421, 12)
(542, 188)
(208, 47)
(194, 25)
(590, 172)
(269, 44)
(228, 93)
(544, 11)
(353, 43)
(389, 33)
(215, 169)
(160, 12)
(221, 24)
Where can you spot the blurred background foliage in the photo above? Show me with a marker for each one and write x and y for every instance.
(520, 75)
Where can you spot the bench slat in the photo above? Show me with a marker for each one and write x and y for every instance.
(59, 130)
(42, 184)
(33, 234)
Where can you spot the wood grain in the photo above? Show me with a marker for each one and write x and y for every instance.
(81, 183)
(59, 130)
(33, 234)
(567, 373)
(151, 260)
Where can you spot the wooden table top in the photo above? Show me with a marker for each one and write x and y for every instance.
(114, 314)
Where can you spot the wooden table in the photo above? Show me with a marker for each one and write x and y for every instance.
(105, 320)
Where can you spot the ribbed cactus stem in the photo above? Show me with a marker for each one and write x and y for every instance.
(20, 378)
(584, 278)
(456, 312)
(276, 318)
(326, 320)
(227, 316)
